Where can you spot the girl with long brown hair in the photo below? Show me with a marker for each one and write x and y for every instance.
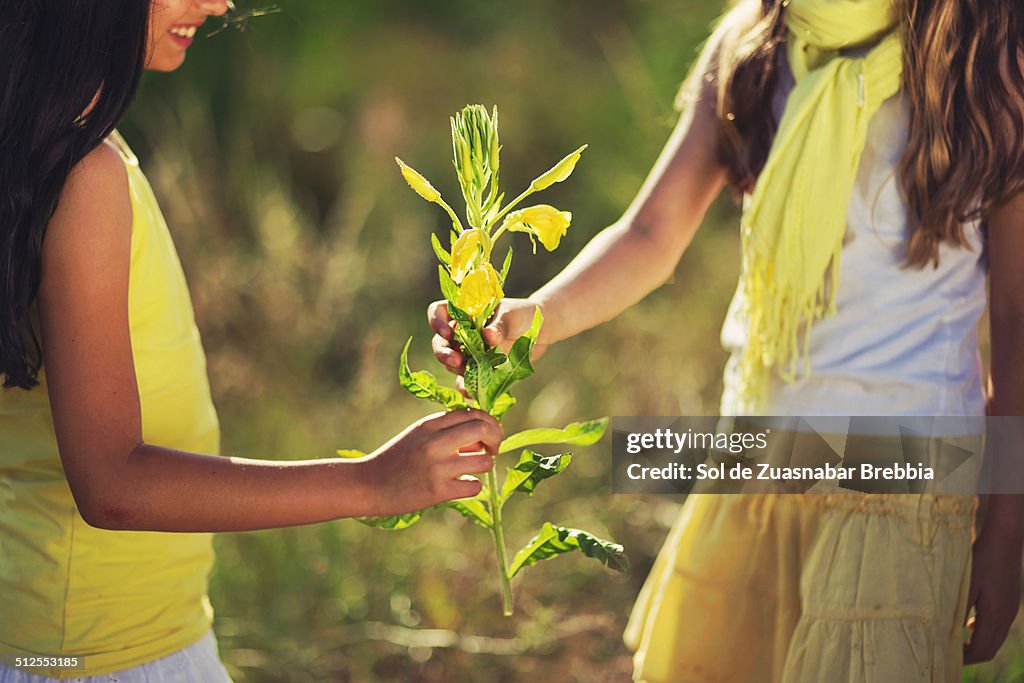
(878, 147)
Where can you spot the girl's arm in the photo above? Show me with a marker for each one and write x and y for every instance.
(120, 482)
(636, 254)
(639, 252)
(995, 578)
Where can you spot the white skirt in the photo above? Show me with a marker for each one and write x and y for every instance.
(197, 662)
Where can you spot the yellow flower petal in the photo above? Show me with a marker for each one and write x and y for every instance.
(480, 290)
(464, 253)
(544, 222)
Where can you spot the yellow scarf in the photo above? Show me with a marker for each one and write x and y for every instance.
(794, 224)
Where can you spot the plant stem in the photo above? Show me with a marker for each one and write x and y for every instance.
(509, 207)
(497, 526)
(499, 543)
(497, 235)
(451, 212)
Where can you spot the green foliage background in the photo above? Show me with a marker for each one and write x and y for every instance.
(308, 258)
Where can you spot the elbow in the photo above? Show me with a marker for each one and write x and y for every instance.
(658, 252)
(663, 234)
(654, 231)
(103, 506)
(103, 488)
(109, 517)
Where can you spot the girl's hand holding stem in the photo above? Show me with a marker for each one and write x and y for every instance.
(428, 463)
(510, 321)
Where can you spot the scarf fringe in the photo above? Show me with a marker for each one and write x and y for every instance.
(780, 324)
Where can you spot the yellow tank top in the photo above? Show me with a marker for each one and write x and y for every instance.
(117, 598)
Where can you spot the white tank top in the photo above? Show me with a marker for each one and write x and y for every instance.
(903, 341)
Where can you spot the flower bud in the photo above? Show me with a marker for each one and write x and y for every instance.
(475, 145)
(495, 147)
(558, 172)
(418, 183)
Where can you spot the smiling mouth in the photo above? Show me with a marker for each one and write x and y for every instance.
(186, 32)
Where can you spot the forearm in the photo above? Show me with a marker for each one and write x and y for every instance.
(1003, 520)
(1005, 514)
(620, 266)
(1004, 517)
(161, 489)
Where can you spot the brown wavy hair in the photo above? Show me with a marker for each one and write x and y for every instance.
(962, 75)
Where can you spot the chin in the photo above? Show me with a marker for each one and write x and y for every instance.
(165, 63)
(164, 66)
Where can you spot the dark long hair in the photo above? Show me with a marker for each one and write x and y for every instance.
(963, 78)
(68, 70)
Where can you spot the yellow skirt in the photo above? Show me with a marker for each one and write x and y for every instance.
(836, 588)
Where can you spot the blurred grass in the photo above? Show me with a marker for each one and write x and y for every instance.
(308, 259)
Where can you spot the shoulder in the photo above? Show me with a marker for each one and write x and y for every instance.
(94, 212)
(100, 177)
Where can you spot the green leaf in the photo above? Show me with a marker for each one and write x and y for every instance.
(492, 196)
(471, 376)
(350, 453)
(459, 315)
(448, 287)
(423, 384)
(493, 208)
(576, 434)
(502, 404)
(507, 265)
(392, 522)
(442, 255)
(481, 359)
(473, 508)
(517, 366)
(532, 469)
(487, 364)
(554, 540)
(470, 340)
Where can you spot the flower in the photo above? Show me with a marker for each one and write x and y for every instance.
(480, 290)
(464, 253)
(544, 222)
(558, 172)
(417, 182)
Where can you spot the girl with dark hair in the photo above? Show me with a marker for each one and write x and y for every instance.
(878, 146)
(107, 431)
